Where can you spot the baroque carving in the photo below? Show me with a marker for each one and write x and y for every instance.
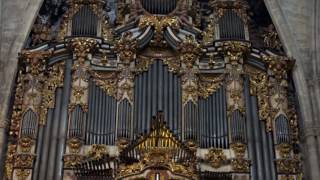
(259, 86)
(23, 174)
(24, 160)
(70, 160)
(54, 79)
(10, 161)
(41, 31)
(98, 151)
(189, 51)
(26, 144)
(126, 48)
(190, 87)
(75, 6)
(240, 7)
(240, 163)
(81, 48)
(74, 145)
(271, 38)
(216, 157)
(235, 52)
(209, 84)
(107, 81)
(159, 23)
(209, 33)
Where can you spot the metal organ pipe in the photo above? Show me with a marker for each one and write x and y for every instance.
(53, 137)
(231, 26)
(155, 91)
(250, 133)
(212, 121)
(100, 127)
(282, 129)
(258, 141)
(43, 158)
(29, 124)
(84, 22)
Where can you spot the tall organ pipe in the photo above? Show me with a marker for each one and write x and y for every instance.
(124, 120)
(42, 161)
(250, 133)
(258, 138)
(63, 121)
(54, 137)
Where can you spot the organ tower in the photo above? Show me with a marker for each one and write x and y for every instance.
(153, 89)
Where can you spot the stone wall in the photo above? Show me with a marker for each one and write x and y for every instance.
(16, 18)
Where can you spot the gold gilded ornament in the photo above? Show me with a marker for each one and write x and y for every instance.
(98, 151)
(126, 48)
(74, 145)
(216, 157)
(189, 51)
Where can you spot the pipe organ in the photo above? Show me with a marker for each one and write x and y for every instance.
(153, 95)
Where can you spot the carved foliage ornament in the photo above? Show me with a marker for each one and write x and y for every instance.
(26, 144)
(126, 48)
(235, 51)
(70, 160)
(22, 174)
(106, 81)
(259, 86)
(189, 51)
(24, 160)
(209, 84)
(159, 23)
(53, 81)
(98, 151)
(81, 47)
(240, 163)
(10, 161)
(216, 157)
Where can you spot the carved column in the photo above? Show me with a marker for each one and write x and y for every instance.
(189, 53)
(28, 99)
(82, 49)
(235, 53)
(126, 49)
(288, 160)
